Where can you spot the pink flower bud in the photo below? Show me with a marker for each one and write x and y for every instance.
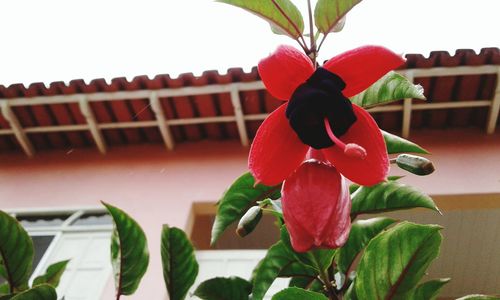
(316, 207)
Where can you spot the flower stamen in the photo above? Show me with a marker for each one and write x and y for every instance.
(351, 150)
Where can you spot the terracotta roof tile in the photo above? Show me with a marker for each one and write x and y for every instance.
(437, 89)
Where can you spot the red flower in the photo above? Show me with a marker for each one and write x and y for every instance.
(323, 220)
(278, 149)
(320, 119)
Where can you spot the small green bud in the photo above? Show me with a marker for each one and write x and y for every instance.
(415, 164)
(249, 221)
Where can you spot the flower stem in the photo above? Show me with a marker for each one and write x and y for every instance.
(302, 46)
(322, 40)
(313, 53)
(330, 289)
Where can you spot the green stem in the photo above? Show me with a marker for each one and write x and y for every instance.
(313, 53)
(325, 278)
(302, 46)
(322, 40)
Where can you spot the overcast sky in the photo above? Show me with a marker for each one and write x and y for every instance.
(60, 40)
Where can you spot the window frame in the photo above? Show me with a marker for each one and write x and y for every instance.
(58, 231)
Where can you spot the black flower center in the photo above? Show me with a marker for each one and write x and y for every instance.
(318, 98)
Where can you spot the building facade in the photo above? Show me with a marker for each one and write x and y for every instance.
(165, 149)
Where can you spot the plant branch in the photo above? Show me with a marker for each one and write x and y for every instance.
(304, 47)
(330, 289)
(322, 40)
(313, 53)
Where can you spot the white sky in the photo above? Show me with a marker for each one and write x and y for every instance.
(60, 40)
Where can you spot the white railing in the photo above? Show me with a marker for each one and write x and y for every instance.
(239, 117)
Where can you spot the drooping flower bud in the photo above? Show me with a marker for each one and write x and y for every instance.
(316, 207)
(249, 221)
(415, 164)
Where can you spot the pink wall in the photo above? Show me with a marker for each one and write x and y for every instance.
(156, 186)
(153, 185)
(467, 161)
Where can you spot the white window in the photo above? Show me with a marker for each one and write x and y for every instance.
(82, 236)
(226, 263)
(232, 255)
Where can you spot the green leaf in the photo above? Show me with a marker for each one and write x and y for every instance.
(240, 196)
(354, 187)
(53, 274)
(362, 231)
(396, 144)
(219, 288)
(41, 292)
(479, 297)
(388, 196)
(296, 293)
(129, 251)
(180, 267)
(350, 294)
(296, 268)
(395, 261)
(391, 87)
(429, 290)
(286, 19)
(277, 262)
(301, 282)
(340, 25)
(3, 272)
(302, 276)
(306, 283)
(4, 289)
(267, 270)
(394, 178)
(319, 259)
(328, 13)
(16, 252)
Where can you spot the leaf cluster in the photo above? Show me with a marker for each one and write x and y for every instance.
(16, 261)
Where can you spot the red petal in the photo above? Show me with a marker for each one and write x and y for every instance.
(284, 70)
(364, 132)
(361, 67)
(276, 150)
(316, 207)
